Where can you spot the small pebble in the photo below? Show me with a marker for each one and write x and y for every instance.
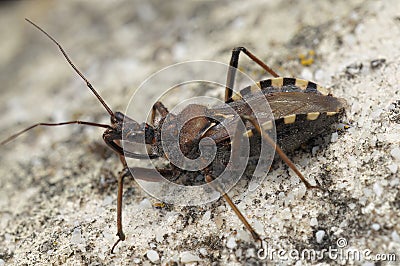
(377, 189)
(306, 74)
(392, 168)
(231, 243)
(320, 75)
(239, 253)
(207, 216)
(2, 262)
(203, 251)
(319, 236)
(395, 237)
(243, 235)
(187, 257)
(313, 222)
(159, 234)
(250, 253)
(152, 255)
(253, 185)
(76, 237)
(367, 192)
(301, 191)
(281, 195)
(258, 226)
(314, 150)
(107, 201)
(368, 264)
(395, 182)
(375, 227)
(298, 263)
(218, 222)
(376, 113)
(145, 204)
(395, 153)
(334, 137)
(179, 51)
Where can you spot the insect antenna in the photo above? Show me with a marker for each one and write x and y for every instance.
(88, 84)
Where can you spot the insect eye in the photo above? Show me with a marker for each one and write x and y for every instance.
(119, 116)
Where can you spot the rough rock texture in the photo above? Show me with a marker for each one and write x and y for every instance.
(57, 185)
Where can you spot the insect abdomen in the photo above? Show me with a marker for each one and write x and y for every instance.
(300, 109)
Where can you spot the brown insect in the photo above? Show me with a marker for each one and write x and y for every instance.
(300, 110)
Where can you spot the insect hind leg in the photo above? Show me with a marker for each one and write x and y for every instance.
(12, 137)
(280, 152)
(230, 80)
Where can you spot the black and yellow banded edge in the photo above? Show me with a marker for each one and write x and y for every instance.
(289, 119)
(304, 85)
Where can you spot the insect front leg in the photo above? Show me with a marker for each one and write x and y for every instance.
(124, 173)
(230, 80)
(161, 109)
(111, 136)
(146, 174)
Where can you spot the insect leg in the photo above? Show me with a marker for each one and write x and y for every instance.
(236, 141)
(230, 80)
(12, 137)
(282, 154)
(161, 109)
(124, 173)
(243, 219)
(150, 175)
(111, 136)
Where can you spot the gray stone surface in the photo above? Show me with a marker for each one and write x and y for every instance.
(57, 185)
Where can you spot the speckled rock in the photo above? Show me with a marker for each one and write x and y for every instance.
(57, 185)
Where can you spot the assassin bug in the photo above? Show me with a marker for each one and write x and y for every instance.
(299, 108)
